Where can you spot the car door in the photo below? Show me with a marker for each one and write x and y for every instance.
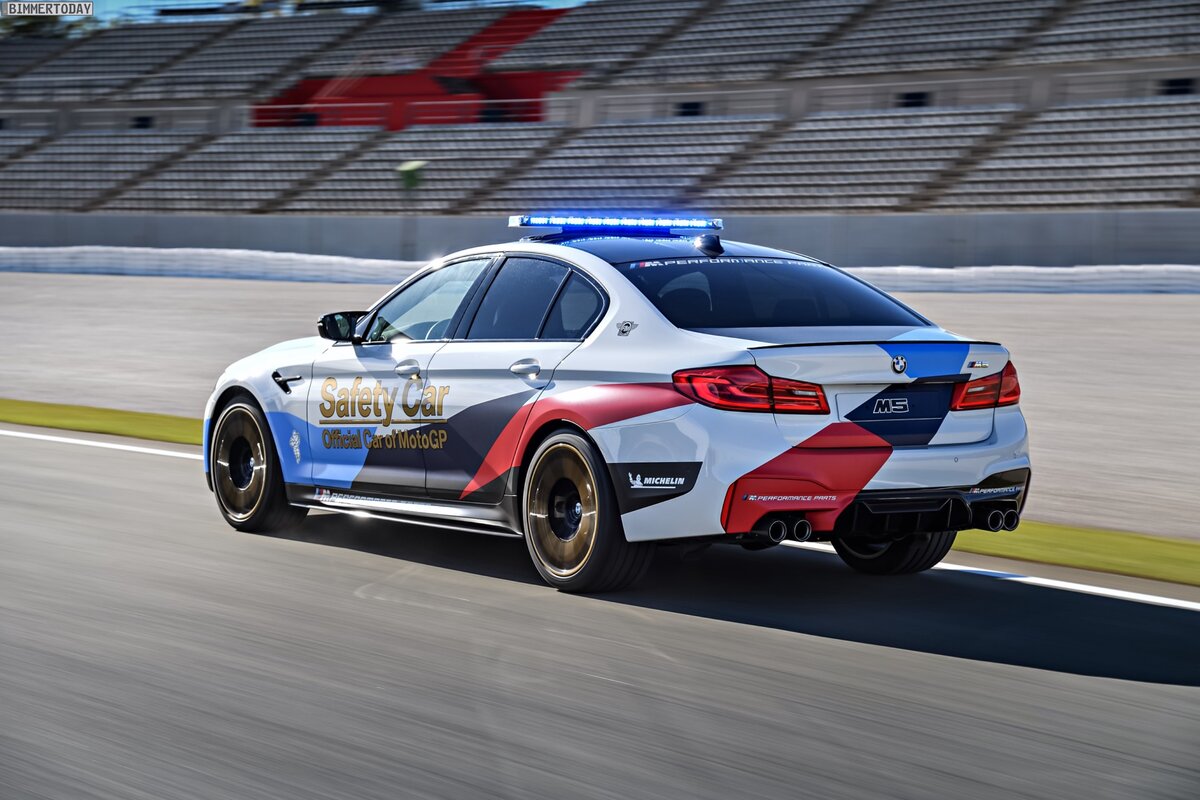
(533, 313)
(372, 413)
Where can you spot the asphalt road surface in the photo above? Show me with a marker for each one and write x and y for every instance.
(1109, 381)
(149, 652)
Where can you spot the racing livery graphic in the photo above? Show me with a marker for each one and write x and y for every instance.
(610, 384)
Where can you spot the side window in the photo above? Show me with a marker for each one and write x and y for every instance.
(518, 299)
(423, 310)
(574, 311)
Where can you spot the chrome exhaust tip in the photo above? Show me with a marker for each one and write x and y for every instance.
(995, 520)
(777, 531)
(1011, 520)
(802, 531)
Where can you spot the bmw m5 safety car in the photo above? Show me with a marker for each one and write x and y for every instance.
(609, 384)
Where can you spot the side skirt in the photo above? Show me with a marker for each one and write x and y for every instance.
(497, 520)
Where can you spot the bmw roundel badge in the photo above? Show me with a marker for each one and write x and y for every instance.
(899, 363)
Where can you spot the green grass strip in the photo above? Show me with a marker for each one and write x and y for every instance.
(1158, 558)
(138, 424)
(1175, 560)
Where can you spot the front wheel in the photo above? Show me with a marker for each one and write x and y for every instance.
(246, 475)
(572, 524)
(915, 553)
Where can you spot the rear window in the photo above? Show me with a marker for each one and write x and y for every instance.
(735, 292)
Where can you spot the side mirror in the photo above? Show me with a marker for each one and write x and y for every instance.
(339, 326)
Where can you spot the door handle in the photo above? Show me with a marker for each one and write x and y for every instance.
(408, 369)
(526, 368)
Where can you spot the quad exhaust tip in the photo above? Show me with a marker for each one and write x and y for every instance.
(1011, 520)
(777, 531)
(802, 530)
(995, 520)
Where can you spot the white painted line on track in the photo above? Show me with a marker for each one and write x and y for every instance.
(1047, 583)
(129, 448)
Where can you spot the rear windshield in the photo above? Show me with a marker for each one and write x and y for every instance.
(745, 292)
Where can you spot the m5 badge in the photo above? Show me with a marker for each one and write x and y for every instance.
(891, 405)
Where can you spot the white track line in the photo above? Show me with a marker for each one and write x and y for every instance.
(1048, 583)
(129, 448)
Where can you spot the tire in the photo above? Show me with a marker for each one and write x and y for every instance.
(571, 521)
(246, 476)
(915, 553)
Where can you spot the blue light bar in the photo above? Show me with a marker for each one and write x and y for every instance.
(613, 223)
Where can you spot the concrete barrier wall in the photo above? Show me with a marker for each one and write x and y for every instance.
(852, 240)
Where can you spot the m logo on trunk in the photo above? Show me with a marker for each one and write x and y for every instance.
(891, 405)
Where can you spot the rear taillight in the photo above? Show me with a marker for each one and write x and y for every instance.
(1001, 389)
(750, 389)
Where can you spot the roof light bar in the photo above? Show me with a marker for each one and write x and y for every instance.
(613, 222)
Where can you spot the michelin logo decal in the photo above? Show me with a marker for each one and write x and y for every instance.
(654, 482)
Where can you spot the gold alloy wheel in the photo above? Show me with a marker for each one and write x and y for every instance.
(561, 507)
(239, 463)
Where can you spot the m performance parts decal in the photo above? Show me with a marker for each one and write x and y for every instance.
(641, 484)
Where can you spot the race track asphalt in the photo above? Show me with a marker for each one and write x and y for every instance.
(149, 652)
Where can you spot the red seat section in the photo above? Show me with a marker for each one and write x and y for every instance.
(450, 89)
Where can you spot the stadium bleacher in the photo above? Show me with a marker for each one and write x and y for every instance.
(635, 166)
(1116, 154)
(741, 40)
(110, 59)
(19, 54)
(1015, 123)
(74, 171)
(240, 171)
(855, 161)
(461, 161)
(597, 36)
(405, 41)
(1099, 30)
(905, 35)
(240, 63)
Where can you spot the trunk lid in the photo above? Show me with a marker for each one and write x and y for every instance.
(897, 391)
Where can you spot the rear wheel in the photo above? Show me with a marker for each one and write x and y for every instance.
(911, 554)
(572, 525)
(246, 476)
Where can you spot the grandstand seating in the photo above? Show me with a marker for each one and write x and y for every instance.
(240, 171)
(631, 166)
(1106, 29)
(240, 63)
(928, 34)
(462, 160)
(1117, 153)
(428, 75)
(404, 42)
(853, 161)
(18, 54)
(109, 60)
(596, 36)
(741, 40)
(11, 142)
(75, 170)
